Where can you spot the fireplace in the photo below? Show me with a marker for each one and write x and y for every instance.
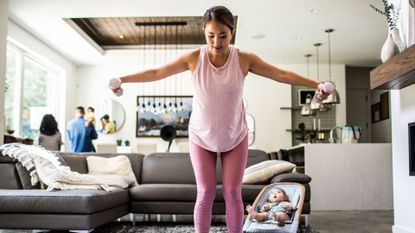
(411, 134)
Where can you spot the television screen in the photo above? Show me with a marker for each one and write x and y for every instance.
(411, 134)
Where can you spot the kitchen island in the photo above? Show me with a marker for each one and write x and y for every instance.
(348, 176)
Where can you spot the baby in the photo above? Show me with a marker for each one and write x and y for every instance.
(90, 118)
(276, 208)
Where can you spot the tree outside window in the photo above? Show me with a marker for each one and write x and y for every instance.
(30, 95)
(10, 87)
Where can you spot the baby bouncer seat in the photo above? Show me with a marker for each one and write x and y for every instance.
(295, 193)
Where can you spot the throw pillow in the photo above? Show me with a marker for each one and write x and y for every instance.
(265, 170)
(116, 181)
(118, 165)
(62, 178)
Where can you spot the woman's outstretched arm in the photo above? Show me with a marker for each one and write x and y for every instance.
(262, 68)
(181, 64)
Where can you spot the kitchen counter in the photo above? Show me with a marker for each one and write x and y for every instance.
(349, 176)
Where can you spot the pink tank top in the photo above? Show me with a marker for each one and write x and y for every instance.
(218, 120)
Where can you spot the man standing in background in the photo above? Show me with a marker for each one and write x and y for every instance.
(79, 134)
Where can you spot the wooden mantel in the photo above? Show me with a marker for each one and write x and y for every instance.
(397, 73)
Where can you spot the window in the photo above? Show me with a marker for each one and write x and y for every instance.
(31, 87)
(10, 87)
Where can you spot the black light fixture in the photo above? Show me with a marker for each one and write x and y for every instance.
(316, 105)
(334, 97)
(306, 108)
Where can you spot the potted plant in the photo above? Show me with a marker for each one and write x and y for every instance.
(119, 141)
(301, 133)
(391, 13)
(127, 143)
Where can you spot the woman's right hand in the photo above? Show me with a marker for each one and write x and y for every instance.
(323, 91)
(115, 86)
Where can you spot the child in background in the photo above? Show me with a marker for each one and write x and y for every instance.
(90, 117)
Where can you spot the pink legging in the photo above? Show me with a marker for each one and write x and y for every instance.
(233, 166)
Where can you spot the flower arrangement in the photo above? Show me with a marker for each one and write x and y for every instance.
(391, 12)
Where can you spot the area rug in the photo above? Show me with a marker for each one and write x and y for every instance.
(146, 227)
(140, 227)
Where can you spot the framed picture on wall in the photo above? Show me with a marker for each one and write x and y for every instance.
(384, 106)
(375, 112)
(153, 112)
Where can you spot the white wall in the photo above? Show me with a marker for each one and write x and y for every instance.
(264, 98)
(3, 43)
(66, 68)
(403, 112)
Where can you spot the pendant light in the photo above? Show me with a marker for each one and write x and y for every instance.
(141, 106)
(306, 109)
(334, 97)
(315, 105)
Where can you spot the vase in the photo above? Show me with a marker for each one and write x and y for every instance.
(397, 39)
(389, 49)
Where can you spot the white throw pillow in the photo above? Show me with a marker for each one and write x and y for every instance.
(112, 180)
(118, 165)
(265, 170)
(62, 178)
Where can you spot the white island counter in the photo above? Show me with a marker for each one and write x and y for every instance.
(350, 176)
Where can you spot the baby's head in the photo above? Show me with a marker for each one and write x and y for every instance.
(277, 194)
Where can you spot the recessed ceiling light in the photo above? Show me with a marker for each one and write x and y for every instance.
(258, 36)
(298, 37)
(314, 10)
(121, 36)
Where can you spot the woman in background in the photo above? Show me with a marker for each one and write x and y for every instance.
(50, 138)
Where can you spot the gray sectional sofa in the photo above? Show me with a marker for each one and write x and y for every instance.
(166, 186)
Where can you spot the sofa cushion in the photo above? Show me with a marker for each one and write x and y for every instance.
(184, 192)
(167, 168)
(118, 165)
(177, 167)
(115, 181)
(78, 163)
(9, 178)
(65, 201)
(256, 156)
(291, 177)
(25, 178)
(6, 159)
(266, 170)
(163, 192)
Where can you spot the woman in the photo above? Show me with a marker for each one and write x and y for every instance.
(50, 138)
(218, 73)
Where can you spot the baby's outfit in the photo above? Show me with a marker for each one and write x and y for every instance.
(277, 207)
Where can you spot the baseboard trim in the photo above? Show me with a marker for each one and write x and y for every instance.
(399, 229)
